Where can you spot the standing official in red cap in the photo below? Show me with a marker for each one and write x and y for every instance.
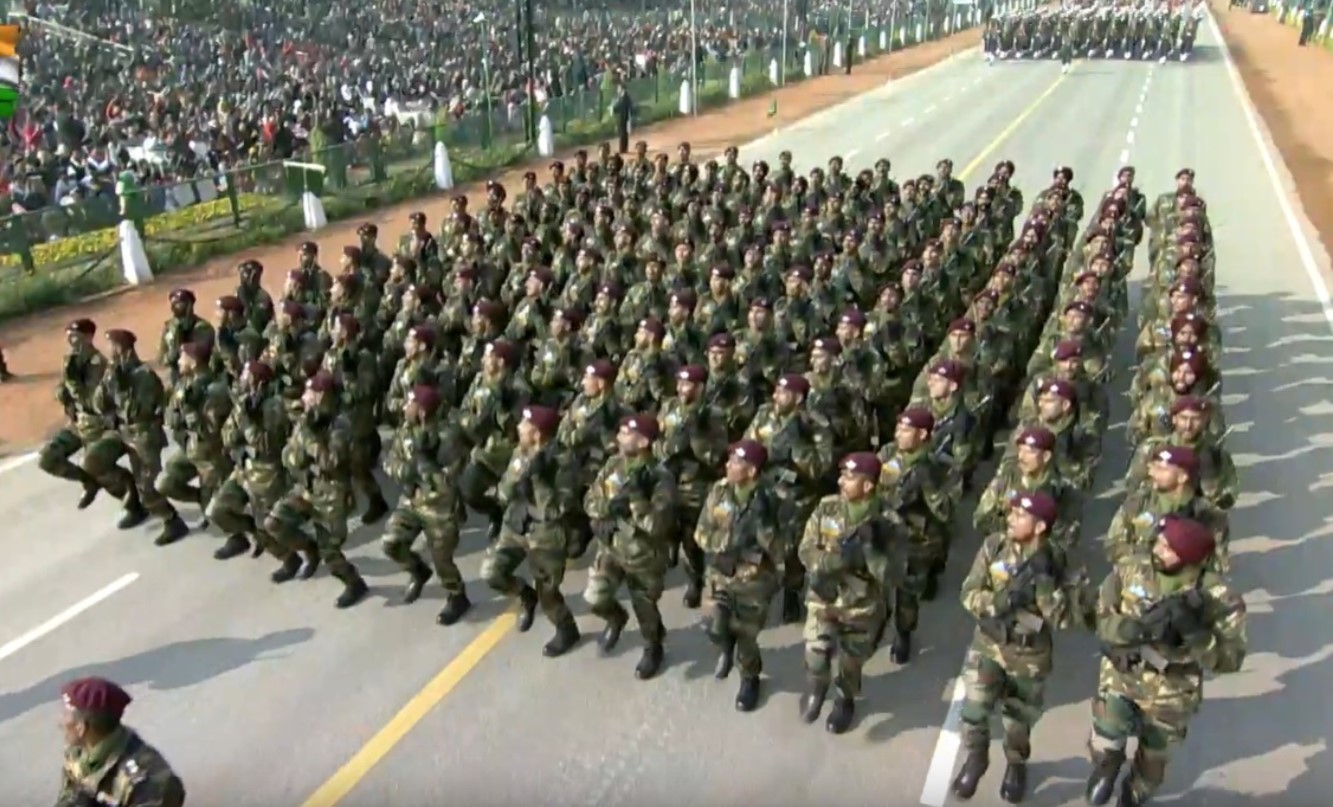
(107, 762)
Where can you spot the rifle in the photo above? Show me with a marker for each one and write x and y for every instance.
(1021, 593)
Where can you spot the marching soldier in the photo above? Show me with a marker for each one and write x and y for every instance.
(1173, 490)
(183, 327)
(1164, 619)
(845, 550)
(738, 532)
(424, 463)
(197, 410)
(693, 443)
(254, 436)
(131, 398)
(318, 456)
(1217, 470)
(80, 378)
(632, 507)
(1014, 593)
(914, 483)
(539, 494)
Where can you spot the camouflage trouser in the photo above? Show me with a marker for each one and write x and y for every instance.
(365, 459)
(1155, 708)
(245, 500)
(54, 457)
(849, 637)
(1019, 699)
(792, 515)
(473, 485)
(645, 578)
(441, 526)
(210, 468)
(544, 547)
(327, 509)
(907, 596)
(687, 517)
(145, 464)
(749, 602)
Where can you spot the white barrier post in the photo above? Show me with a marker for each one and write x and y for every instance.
(837, 53)
(133, 259)
(809, 64)
(444, 170)
(686, 97)
(773, 75)
(734, 83)
(545, 137)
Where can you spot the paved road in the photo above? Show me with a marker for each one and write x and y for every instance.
(260, 695)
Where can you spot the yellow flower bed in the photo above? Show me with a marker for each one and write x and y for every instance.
(92, 244)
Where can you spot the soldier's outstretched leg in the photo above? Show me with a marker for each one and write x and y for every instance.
(229, 510)
(145, 465)
(983, 680)
(101, 461)
(820, 644)
(286, 522)
(402, 530)
(499, 569)
(548, 563)
(330, 536)
(442, 536)
(749, 616)
(856, 644)
(55, 459)
(604, 580)
(645, 585)
(1114, 721)
(693, 558)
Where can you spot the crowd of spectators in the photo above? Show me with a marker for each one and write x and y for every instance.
(159, 91)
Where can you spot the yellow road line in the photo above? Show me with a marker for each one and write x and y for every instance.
(1009, 130)
(379, 746)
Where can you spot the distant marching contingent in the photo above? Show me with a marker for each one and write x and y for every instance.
(1143, 31)
(784, 384)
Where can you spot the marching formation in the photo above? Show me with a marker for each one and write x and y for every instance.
(783, 384)
(1123, 31)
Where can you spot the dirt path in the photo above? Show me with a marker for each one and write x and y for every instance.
(1292, 88)
(34, 345)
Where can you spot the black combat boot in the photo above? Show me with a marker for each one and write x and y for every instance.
(418, 575)
(236, 544)
(812, 702)
(309, 564)
(650, 663)
(747, 697)
(454, 608)
(900, 652)
(840, 719)
(610, 637)
(578, 544)
(932, 587)
(1128, 796)
(566, 637)
(90, 489)
(287, 571)
(135, 514)
(527, 608)
(969, 777)
(1015, 785)
(354, 589)
(1101, 781)
(726, 659)
(791, 606)
(376, 510)
(694, 592)
(173, 529)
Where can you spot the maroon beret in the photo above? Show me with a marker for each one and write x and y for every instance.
(602, 369)
(751, 451)
(322, 381)
(828, 344)
(1060, 388)
(1189, 403)
(201, 351)
(231, 302)
(425, 396)
(1038, 504)
(918, 417)
(963, 325)
(1192, 542)
(1068, 349)
(721, 341)
(643, 425)
(182, 296)
(503, 350)
(96, 696)
(950, 369)
(258, 370)
(684, 297)
(121, 337)
(84, 326)
(1038, 437)
(1182, 457)
(543, 418)
(853, 317)
(693, 373)
(863, 463)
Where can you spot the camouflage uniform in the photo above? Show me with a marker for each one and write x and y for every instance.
(131, 397)
(1161, 629)
(318, 457)
(692, 445)
(1013, 592)
(198, 408)
(846, 549)
(183, 328)
(539, 493)
(914, 484)
(632, 506)
(738, 532)
(122, 769)
(425, 465)
(254, 436)
(1140, 517)
(80, 378)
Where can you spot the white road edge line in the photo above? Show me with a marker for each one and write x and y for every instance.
(1124, 158)
(17, 462)
(940, 773)
(882, 136)
(56, 622)
(908, 121)
(1303, 248)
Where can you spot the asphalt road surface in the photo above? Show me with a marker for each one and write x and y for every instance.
(266, 696)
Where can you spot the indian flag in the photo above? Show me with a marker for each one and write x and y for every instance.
(9, 70)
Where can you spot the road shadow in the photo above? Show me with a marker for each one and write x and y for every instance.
(174, 666)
